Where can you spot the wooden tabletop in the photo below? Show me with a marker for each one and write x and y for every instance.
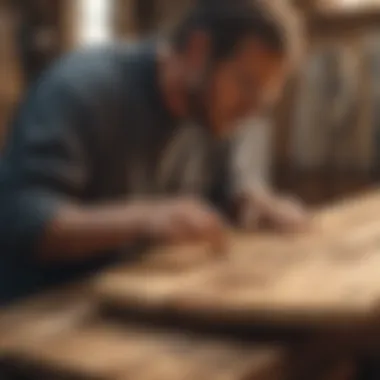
(327, 277)
(62, 335)
(324, 277)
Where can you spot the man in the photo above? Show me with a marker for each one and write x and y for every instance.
(110, 144)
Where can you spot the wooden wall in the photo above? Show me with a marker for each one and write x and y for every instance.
(10, 77)
(328, 123)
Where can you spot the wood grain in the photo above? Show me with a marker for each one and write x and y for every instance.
(39, 318)
(100, 350)
(62, 335)
(327, 277)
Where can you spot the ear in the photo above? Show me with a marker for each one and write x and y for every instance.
(197, 51)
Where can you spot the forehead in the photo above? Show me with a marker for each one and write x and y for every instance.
(254, 55)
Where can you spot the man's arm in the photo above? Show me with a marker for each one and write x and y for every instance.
(254, 199)
(44, 175)
(77, 232)
(251, 155)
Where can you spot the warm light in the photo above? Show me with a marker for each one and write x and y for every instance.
(349, 4)
(94, 23)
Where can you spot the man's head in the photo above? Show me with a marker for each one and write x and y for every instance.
(234, 56)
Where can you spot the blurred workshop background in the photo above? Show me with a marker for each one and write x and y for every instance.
(326, 139)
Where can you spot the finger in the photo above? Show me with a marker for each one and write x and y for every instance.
(296, 224)
(218, 235)
(209, 227)
(219, 244)
(188, 229)
(192, 226)
(179, 230)
(175, 235)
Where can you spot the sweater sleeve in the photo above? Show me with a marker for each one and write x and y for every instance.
(251, 156)
(45, 163)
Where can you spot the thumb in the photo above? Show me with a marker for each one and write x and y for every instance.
(219, 238)
(249, 217)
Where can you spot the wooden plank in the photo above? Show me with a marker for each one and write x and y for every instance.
(100, 350)
(61, 335)
(328, 277)
(39, 318)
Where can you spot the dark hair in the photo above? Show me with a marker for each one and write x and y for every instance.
(229, 21)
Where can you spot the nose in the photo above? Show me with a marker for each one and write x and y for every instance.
(248, 106)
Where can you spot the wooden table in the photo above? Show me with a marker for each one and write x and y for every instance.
(326, 278)
(63, 336)
(325, 281)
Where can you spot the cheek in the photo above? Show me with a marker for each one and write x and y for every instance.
(223, 108)
(224, 96)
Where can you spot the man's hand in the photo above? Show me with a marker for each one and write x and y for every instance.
(78, 232)
(186, 220)
(282, 214)
(288, 215)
